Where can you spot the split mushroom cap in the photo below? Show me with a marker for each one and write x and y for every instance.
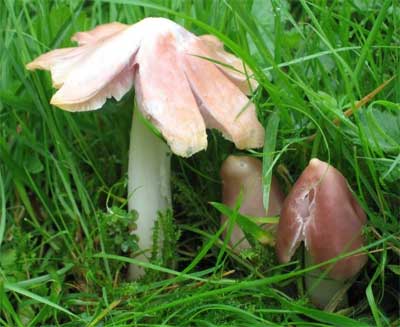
(321, 211)
(243, 173)
(183, 83)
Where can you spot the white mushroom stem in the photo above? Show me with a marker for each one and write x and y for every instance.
(148, 185)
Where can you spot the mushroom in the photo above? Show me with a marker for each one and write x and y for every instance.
(244, 174)
(321, 211)
(183, 83)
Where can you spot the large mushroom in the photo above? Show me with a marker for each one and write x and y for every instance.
(183, 83)
(321, 211)
(243, 174)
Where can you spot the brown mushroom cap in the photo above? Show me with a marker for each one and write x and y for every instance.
(240, 173)
(321, 211)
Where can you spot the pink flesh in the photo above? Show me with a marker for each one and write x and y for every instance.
(222, 103)
(165, 97)
(321, 211)
(63, 61)
(230, 65)
(90, 84)
(98, 33)
(60, 62)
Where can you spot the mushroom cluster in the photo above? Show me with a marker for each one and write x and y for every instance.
(183, 83)
(319, 210)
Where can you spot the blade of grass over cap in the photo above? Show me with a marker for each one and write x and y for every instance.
(246, 224)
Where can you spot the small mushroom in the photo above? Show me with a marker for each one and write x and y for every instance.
(183, 84)
(244, 174)
(321, 211)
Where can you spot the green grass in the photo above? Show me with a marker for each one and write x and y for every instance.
(61, 261)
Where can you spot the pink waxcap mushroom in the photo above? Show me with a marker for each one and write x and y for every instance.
(183, 83)
(244, 174)
(321, 211)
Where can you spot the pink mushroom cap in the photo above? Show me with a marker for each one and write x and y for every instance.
(243, 173)
(184, 83)
(321, 211)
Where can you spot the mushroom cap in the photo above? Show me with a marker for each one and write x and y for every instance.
(183, 83)
(242, 173)
(321, 211)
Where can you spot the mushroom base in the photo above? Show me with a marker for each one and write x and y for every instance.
(323, 290)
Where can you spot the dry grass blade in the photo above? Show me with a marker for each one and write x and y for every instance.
(348, 112)
(364, 100)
